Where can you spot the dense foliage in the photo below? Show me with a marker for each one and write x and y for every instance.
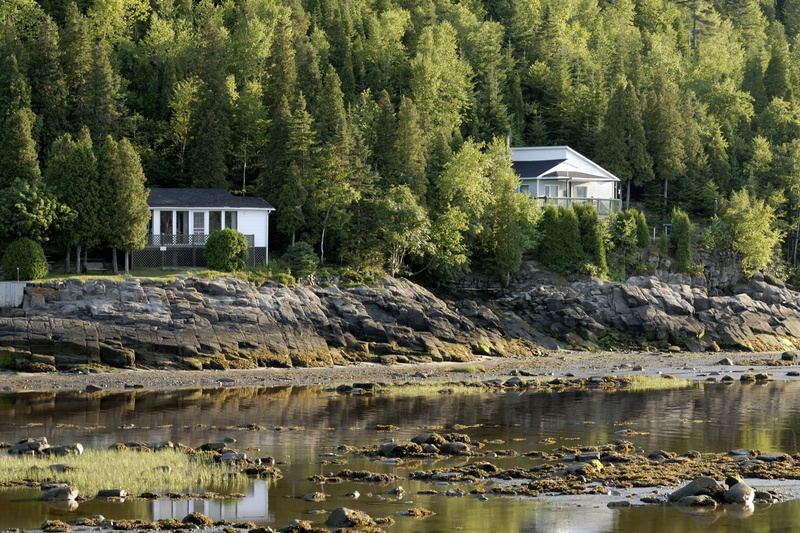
(347, 113)
(226, 250)
(24, 260)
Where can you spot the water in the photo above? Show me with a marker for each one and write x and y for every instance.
(305, 423)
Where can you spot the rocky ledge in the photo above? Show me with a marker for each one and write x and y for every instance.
(648, 312)
(228, 323)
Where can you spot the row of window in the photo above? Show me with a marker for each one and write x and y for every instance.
(177, 222)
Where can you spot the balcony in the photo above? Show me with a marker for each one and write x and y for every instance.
(603, 206)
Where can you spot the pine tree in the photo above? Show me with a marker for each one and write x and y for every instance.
(103, 102)
(76, 62)
(210, 133)
(18, 158)
(331, 114)
(15, 92)
(72, 175)
(127, 228)
(410, 150)
(281, 67)
(48, 84)
(621, 145)
(664, 131)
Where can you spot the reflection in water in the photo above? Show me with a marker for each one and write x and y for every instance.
(301, 424)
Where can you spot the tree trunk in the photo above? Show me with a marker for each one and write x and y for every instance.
(127, 256)
(78, 259)
(114, 261)
(67, 261)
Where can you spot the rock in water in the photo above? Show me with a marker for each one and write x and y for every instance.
(739, 492)
(60, 494)
(699, 486)
(349, 518)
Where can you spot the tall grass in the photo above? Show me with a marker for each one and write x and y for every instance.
(133, 471)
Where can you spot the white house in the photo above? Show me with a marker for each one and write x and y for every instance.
(561, 176)
(182, 220)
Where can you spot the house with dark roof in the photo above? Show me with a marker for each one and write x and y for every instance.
(182, 219)
(560, 176)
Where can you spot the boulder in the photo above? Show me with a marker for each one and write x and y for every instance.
(400, 449)
(701, 500)
(739, 492)
(699, 486)
(349, 518)
(67, 449)
(111, 494)
(60, 494)
(455, 448)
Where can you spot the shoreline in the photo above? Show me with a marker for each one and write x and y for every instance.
(573, 364)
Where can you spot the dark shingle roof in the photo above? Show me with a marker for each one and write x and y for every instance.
(203, 198)
(533, 169)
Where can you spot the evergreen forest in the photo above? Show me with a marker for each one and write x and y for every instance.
(379, 128)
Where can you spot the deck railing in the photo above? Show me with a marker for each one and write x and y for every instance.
(603, 206)
(185, 240)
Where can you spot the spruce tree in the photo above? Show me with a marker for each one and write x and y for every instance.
(210, 133)
(76, 62)
(103, 108)
(72, 175)
(410, 150)
(129, 214)
(48, 84)
(18, 157)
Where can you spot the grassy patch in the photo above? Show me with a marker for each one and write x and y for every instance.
(469, 369)
(135, 472)
(651, 383)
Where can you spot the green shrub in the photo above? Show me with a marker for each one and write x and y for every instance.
(226, 250)
(681, 240)
(593, 238)
(301, 259)
(560, 246)
(27, 256)
(642, 230)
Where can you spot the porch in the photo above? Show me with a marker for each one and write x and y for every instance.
(603, 206)
(173, 250)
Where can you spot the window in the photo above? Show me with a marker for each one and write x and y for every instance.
(214, 221)
(166, 222)
(551, 191)
(232, 219)
(199, 222)
(524, 189)
(581, 192)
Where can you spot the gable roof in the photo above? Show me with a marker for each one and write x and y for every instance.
(203, 199)
(557, 162)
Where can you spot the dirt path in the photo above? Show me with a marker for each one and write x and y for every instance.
(556, 364)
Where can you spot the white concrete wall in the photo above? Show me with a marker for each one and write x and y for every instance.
(11, 293)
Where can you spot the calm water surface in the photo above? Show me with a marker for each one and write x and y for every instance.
(707, 417)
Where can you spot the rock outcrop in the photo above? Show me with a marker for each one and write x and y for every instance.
(192, 323)
(646, 311)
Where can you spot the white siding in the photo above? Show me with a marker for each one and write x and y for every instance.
(252, 222)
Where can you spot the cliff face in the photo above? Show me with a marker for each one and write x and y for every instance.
(224, 323)
(194, 323)
(756, 316)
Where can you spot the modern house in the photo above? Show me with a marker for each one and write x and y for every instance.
(561, 176)
(182, 220)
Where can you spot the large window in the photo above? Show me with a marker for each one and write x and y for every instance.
(581, 192)
(551, 191)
